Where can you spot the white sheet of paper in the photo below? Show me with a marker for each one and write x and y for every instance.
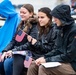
(51, 64)
(19, 52)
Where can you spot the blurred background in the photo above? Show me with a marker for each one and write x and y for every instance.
(44, 3)
(38, 3)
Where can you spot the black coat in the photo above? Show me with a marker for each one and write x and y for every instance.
(42, 46)
(65, 44)
(45, 44)
(65, 47)
(14, 44)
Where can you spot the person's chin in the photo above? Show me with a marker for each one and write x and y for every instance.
(23, 19)
(41, 25)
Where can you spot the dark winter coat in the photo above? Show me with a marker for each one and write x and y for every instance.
(32, 31)
(42, 46)
(65, 45)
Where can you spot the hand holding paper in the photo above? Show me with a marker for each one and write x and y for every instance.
(40, 60)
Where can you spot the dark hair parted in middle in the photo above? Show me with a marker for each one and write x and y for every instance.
(43, 29)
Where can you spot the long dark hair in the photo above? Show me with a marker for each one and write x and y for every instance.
(43, 29)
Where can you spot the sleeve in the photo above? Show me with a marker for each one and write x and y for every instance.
(26, 46)
(46, 43)
(34, 31)
(67, 56)
(45, 46)
(10, 46)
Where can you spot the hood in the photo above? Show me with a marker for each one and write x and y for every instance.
(62, 12)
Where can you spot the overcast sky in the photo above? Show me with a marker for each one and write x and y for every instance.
(37, 3)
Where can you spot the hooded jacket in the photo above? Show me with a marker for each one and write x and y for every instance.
(12, 20)
(65, 45)
(62, 12)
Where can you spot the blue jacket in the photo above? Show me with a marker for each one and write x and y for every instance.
(12, 20)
